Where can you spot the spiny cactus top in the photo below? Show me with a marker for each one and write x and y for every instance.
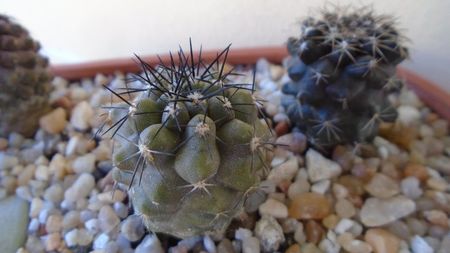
(190, 145)
(342, 68)
(24, 80)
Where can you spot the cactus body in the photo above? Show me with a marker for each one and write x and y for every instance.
(24, 80)
(342, 69)
(190, 146)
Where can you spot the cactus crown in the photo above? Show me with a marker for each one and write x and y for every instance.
(342, 68)
(189, 143)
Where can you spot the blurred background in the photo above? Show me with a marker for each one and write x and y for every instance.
(79, 31)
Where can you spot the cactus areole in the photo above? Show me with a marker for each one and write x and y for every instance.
(189, 144)
(342, 69)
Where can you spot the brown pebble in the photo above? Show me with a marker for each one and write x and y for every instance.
(309, 205)
(382, 241)
(314, 232)
(357, 201)
(63, 102)
(431, 117)
(416, 170)
(3, 143)
(437, 217)
(54, 122)
(440, 128)
(343, 156)
(294, 248)
(353, 185)
(399, 134)
(284, 185)
(344, 208)
(225, 246)
(363, 172)
(389, 169)
(330, 221)
(282, 128)
(105, 181)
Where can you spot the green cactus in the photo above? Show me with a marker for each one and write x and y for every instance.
(189, 145)
(24, 80)
(342, 69)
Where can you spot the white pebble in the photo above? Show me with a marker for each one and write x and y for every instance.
(71, 238)
(299, 234)
(284, 171)
(101, 241)
(356, 230)
(36, 207)
(84, 237)
(270, 233)
(343, 226)
(121, 209)
(111, 247)
(42, 173)
(55, 193)
(24, 193)
(374, 211)
(209, 244)
(242, 233)
(321, 187)
(274, 208)
(268, 85)
(419, 245)
(110, 197)
(301, 185)
(81, 204)
(85, 163)
(408, 114)
(45, 213)
(108, 219)
(92, 225)
(52, 241)
(100, 79)
(33, 226)
(7, 161)
(319, 167)
(271, 109)
(132, 228)
(250, 245)
(80, 188)
(279, 117)
(3, 193)
(410, 187)
(86, 215)
(54, 223)
(71, 219)
(149, 244)
(82, 115)
(72, 144)
(190, 242)
(68, 205)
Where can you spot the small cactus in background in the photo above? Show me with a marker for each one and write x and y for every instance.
(24, 80)
(188, 144)
(342, 69)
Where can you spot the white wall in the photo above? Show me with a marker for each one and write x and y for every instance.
(83, 30)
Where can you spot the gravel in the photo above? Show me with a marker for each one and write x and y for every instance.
(381, 197)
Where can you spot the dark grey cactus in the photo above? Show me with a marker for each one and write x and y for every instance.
(24, 80)
(190, 145)
(342, 68)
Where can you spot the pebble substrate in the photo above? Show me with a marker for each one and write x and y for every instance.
(392, 195)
